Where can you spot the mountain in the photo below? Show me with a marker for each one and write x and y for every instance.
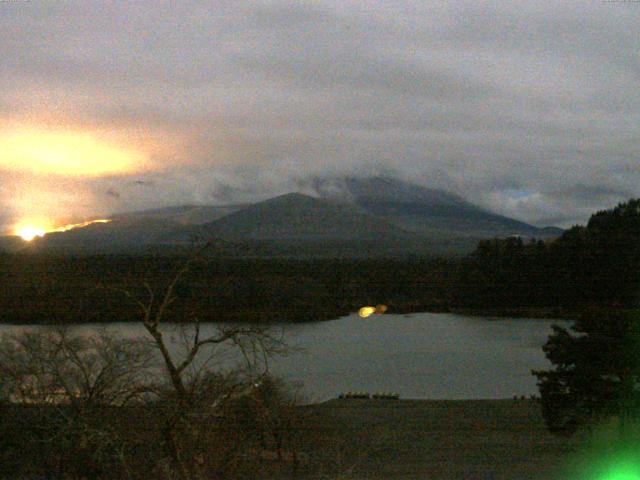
(121, 235)
(418, 209)
(347, 216)
(183, 214)
(11, 244)
(128, 232)
(300, 217)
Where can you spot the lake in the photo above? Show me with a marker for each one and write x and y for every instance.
(422, 355)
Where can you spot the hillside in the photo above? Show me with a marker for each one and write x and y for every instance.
(295, 216)
(336, 216)
(121, 235)
(424, 210)
(183, 214)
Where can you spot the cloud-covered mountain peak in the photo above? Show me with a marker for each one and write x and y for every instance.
(364, 189)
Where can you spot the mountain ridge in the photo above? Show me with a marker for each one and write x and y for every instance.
(421, 209)
(327, 214)
(297, 216)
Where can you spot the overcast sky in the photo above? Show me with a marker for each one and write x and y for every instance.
(531, 109)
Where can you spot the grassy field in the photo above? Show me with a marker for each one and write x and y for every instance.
(423, 439)
(340, 440)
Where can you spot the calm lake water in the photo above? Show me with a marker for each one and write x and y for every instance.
(423, 355)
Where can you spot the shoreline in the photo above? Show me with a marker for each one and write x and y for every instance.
(486, 313)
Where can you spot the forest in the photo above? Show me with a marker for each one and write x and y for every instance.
(593, 265)
(597, 265)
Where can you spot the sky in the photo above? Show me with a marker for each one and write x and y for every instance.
(528, 108)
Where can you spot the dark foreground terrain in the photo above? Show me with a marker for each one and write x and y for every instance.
(339, 439)
(423, 439)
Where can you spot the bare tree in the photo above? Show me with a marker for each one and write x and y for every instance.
(61, 386)
(81, 393)
(200, 383)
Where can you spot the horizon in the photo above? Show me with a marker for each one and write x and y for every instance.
(30, 229)
(527, 109)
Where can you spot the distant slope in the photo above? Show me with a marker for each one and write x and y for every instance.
(342, 216)
(295, 216)
(120, 235)
(129, 232)
(184, 214)
(423, 210)
(12, 243)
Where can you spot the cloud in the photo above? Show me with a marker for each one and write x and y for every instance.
(480, 98)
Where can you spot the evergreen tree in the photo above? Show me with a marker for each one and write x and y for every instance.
(596, 370)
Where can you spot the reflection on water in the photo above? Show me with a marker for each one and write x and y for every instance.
(423, 355)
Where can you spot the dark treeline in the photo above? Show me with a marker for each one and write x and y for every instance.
(46, 289)
(593, 265)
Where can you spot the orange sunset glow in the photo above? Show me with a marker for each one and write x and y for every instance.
(67, 153)
(29, 232)
(39, 228)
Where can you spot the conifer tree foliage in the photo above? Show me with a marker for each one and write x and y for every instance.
(596, 264)
(596, 371)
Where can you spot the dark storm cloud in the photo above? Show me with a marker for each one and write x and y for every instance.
(529, 108)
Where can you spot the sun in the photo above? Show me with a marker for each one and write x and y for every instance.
(29, 232)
